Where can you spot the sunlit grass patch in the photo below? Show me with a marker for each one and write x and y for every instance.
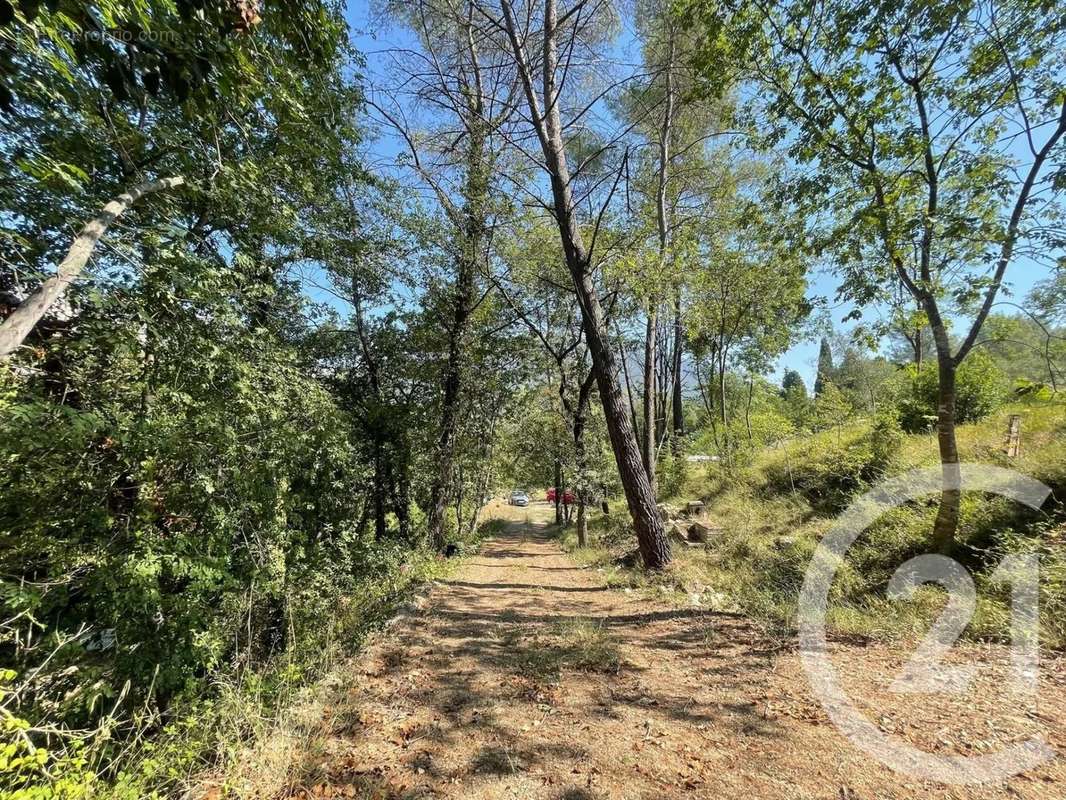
(771, 531)
(577, 644)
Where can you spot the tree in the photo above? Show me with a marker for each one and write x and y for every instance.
(831, 407)
(25, 316)
(793, 383)
(109, 99)
(934, 133)
(668, 186)
(1048, 298)
(797, 405)
(544, 113)
(738, 319)
(184, 478)
(532, 288)
(907, 327)
(825, 367)
(980, 385)
(1026, 348)
(863, 377)
(456, 76)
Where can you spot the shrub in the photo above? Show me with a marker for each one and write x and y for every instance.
(673, 471)
(886, 442)
(980, 387)
(832, 469)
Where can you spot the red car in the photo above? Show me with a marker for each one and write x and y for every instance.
(568, 497)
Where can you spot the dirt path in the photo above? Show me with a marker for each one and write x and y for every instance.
(523, 677)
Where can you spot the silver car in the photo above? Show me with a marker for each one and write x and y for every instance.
(519, 498)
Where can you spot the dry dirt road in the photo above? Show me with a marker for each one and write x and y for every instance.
(524, 677)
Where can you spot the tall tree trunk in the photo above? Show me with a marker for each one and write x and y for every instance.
(460, 492)
(582, 481)
(623, 357)
(947, 517)
(651, 536)
(558, 491)
(723, 412)
(402, 498)
(650, 427)
(471, 239)
(678, 411)
(747, 407)
(648, 525)
(380, 528)
(663, 221)
(484, 475)
(581, 458)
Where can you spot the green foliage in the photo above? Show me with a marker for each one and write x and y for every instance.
(793, 383)
(1027, 349)
(825, 367)
(191, 451)
(771, 531)
(831, 407)
(829, 470)
(979, 385)
(672, 473)
(886, 443)
(183, 520)
(35, 772)
(827, 475)
(796, 405)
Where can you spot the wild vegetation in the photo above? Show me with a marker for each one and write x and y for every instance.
(281, 311)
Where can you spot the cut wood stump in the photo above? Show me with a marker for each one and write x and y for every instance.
(667, 513)
(704, 533)
(678, 533)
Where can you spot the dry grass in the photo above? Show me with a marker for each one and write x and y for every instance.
(771, 532)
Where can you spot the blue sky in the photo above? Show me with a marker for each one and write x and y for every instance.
(1021, 277)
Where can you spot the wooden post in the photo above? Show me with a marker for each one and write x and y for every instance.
(1014, 436)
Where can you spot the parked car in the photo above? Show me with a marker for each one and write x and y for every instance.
(568, 496)
(518, 498)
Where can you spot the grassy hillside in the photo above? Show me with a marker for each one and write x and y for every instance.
(775, 509)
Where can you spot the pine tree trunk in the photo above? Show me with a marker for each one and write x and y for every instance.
(650, 344)
(380, 528)
(678, 433)
(581, 458)
(651, 536)
(449, 417)
(402, 507)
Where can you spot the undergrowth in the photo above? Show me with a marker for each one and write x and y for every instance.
(775, 509)
(205, 738)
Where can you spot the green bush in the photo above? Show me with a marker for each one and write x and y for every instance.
(672, 473)
(886, 442)
(980, 388)
(164, 527)
(831, 470)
